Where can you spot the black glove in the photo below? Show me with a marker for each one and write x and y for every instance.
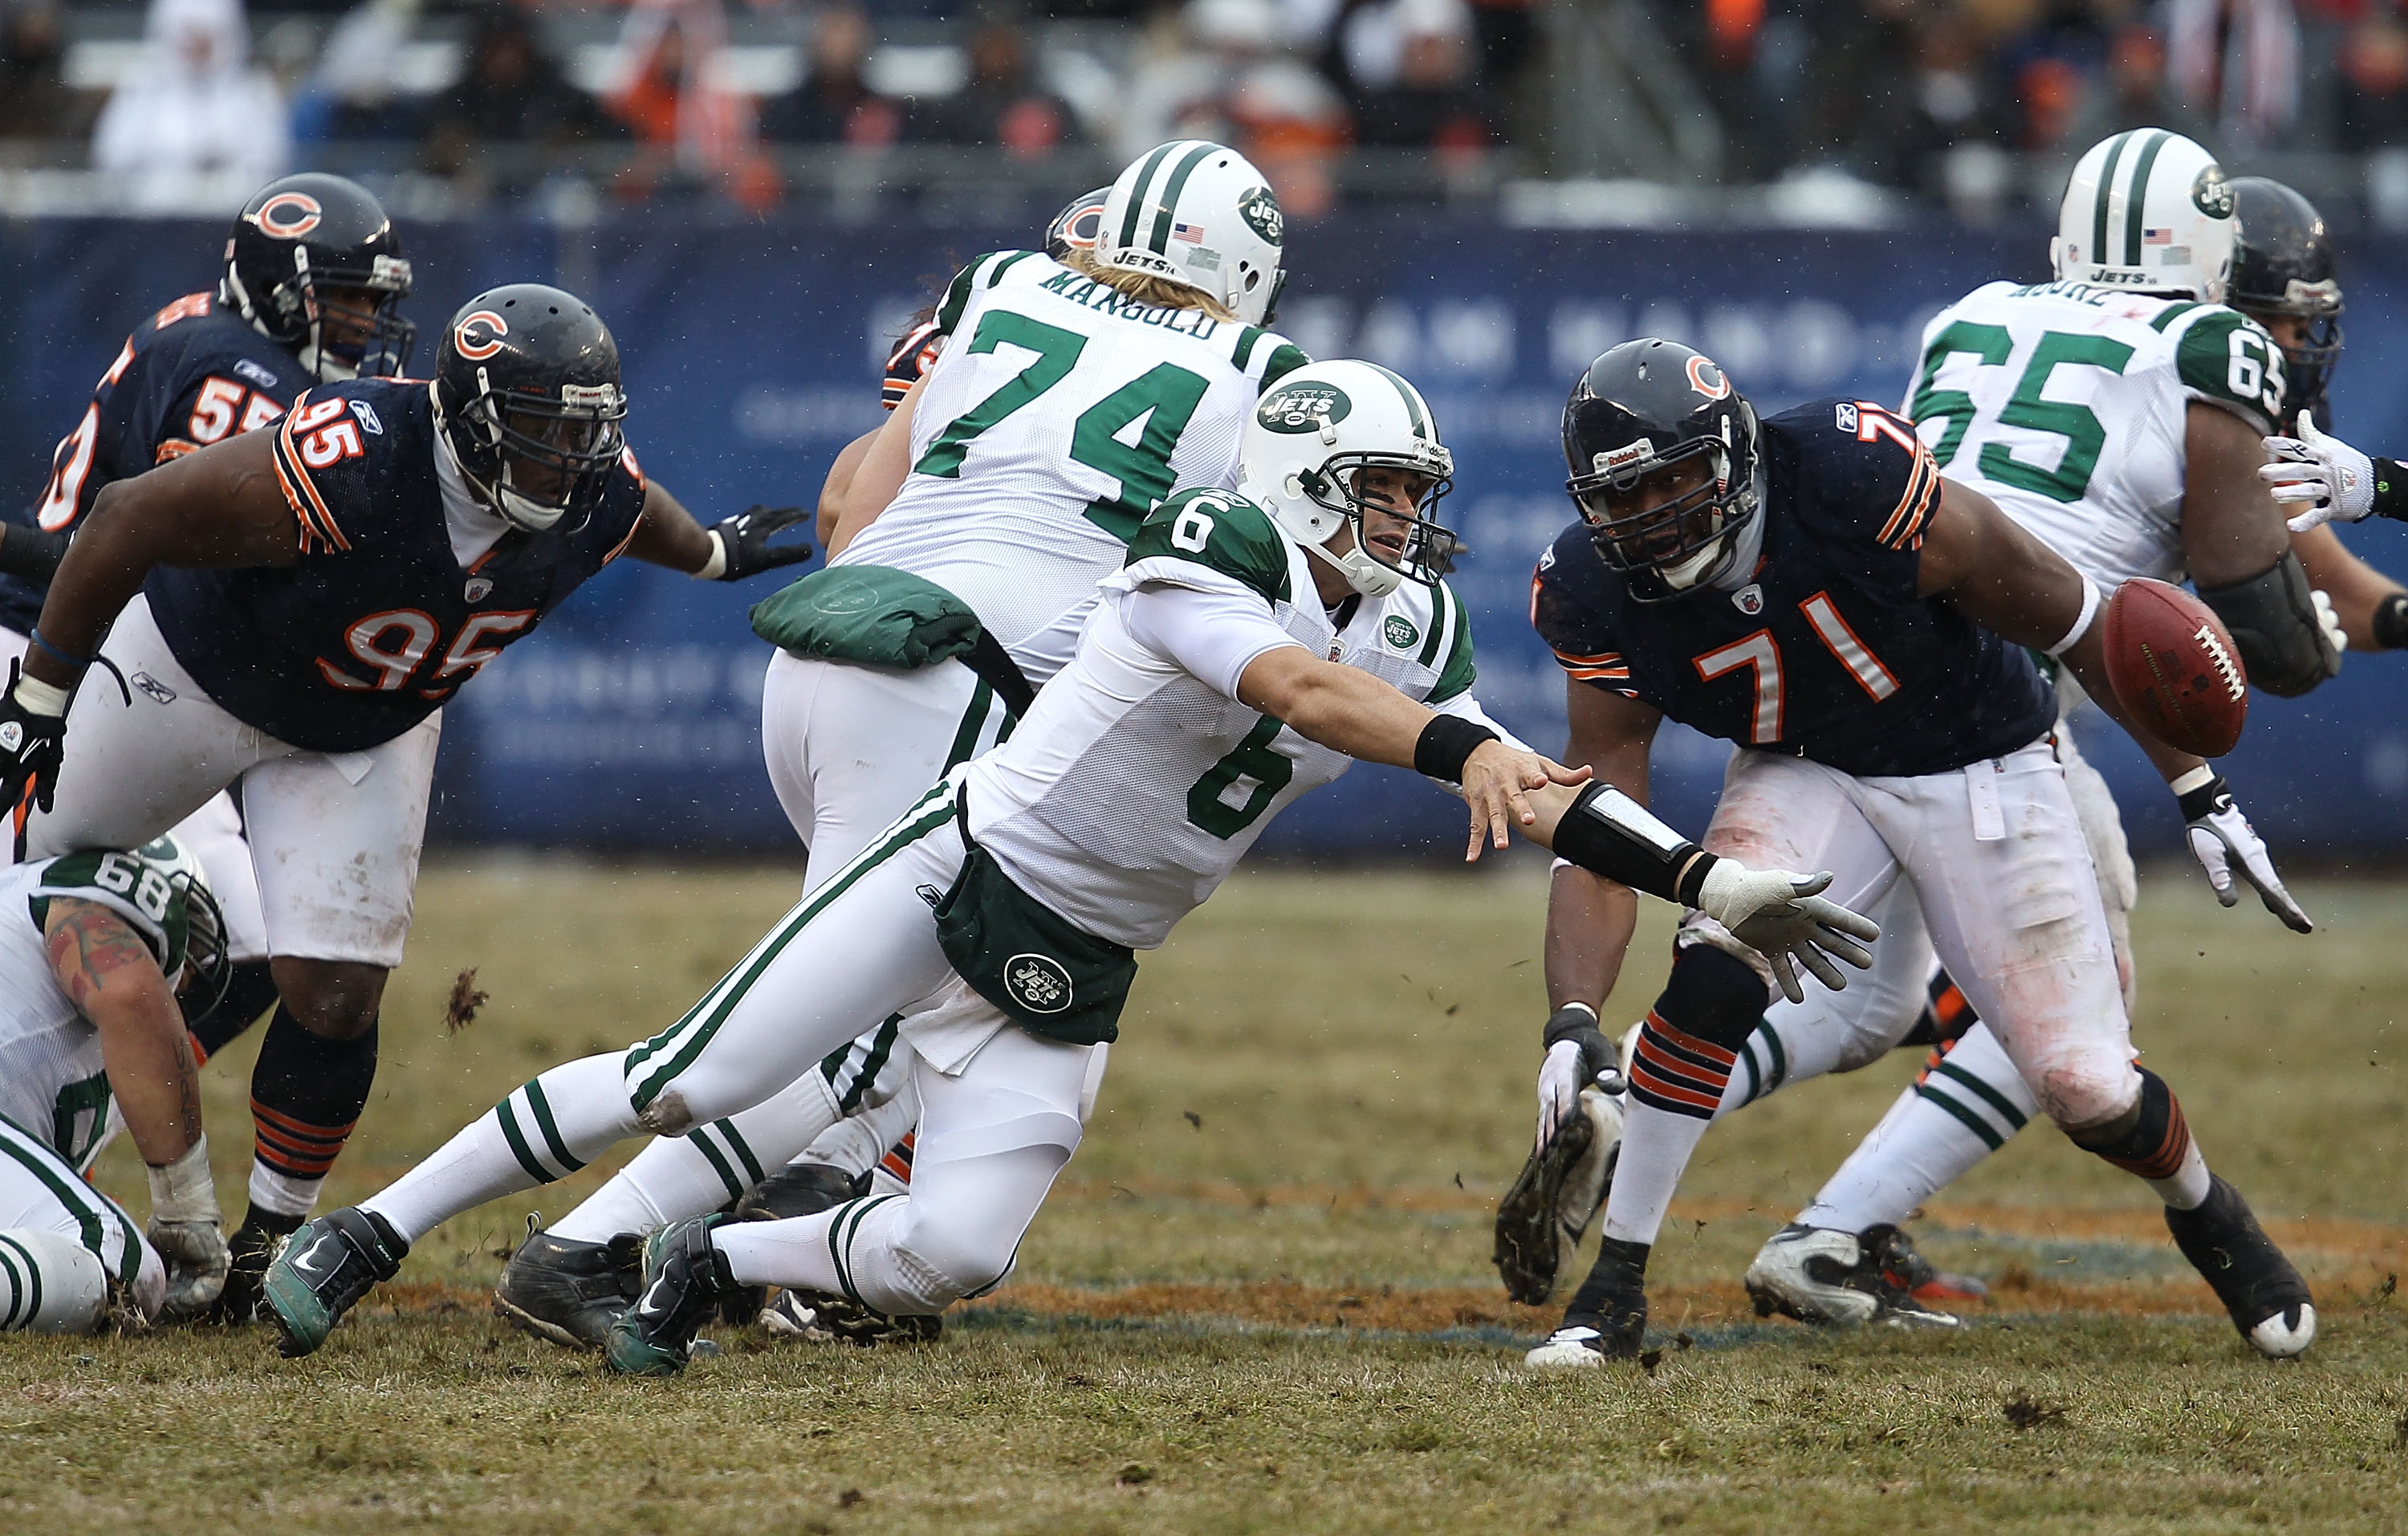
(30, 743)
(745, 538)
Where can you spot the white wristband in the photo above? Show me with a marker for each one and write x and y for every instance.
(716, 567)
(182, 1190)
(2081, 621)
(2198, 778)
(39, 697)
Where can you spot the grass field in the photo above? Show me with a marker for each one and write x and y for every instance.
(1260, 1298)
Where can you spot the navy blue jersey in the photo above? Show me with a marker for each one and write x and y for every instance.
(1828, 653)
(189, 376)
(378, 623)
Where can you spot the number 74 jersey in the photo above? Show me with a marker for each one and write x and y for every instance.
(2066, 404)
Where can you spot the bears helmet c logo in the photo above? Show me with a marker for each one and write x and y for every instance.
(288, 215)
(479, 335)
(1708, 380)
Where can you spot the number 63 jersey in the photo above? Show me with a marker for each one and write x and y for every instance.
(2066, 404)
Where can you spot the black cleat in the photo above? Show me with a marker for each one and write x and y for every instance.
(251, 1249)
(797, 1189)
(2267, 1298)
(687, 1281)
(821, 1318)
(1608, 1317)
(324, 1271)
(1541, 1219)
(567, 1291)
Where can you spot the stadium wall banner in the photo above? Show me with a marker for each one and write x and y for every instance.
(751, 351)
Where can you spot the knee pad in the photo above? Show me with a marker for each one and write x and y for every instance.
(1712, 995)
(49, 1283)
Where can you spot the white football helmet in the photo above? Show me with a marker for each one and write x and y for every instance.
(203, 935)
(1313, 433)
(1198, 213)
(2150, 211)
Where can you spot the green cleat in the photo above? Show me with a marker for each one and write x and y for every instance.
(323, 1271)
(685, 1282)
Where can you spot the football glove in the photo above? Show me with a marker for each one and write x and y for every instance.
(184, 1229)
(2324, 474)
(2329, 621)
(1784, 917)
(745, 541)
(1578, 1055)
(33, 733)
(2222, 840)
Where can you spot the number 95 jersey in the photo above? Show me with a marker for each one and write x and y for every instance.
(2066, 404)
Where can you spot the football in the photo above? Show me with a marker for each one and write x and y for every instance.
(2174, 668)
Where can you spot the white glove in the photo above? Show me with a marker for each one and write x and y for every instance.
(1784, 916)
(184, 1229)
(2325, 474)
(1579, 1055)
(2221, 838)
(2330, 620)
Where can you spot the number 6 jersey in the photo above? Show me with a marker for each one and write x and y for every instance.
(2065, 405)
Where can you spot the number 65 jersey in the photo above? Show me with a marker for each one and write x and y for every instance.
(2065, 405)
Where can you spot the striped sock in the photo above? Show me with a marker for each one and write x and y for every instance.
(306, 1092)
(1968, 1101)
(542, 1130)
(2158, 1148)
(1676, 1083)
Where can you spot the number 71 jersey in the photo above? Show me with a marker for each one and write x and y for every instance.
(2066, 405)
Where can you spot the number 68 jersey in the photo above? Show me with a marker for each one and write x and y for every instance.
(2066, 404)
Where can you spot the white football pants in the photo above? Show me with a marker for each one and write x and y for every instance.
(62, 1242)
(334, 837)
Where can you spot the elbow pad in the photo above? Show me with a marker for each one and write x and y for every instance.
(2273, 623)
(1608, 833)
(31, 555)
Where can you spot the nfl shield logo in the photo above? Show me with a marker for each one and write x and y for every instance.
(1749, 599)
(480, 587)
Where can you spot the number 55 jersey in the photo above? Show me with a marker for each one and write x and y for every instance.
(379, 622)
(2066, 404)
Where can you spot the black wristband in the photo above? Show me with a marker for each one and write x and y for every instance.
(1445, 744)
(2390, 490)
(31, 555)
(2206, 800)
(1693, 878)
(1577, 1023)
(2392, 623)
(1617, 839)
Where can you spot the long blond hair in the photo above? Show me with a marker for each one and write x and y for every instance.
(1146, 288)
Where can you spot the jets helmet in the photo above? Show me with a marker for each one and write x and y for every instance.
(1652, 404)
(300, 239)
(198, 941)
(1313, 438)
(1199, 214)
(527, 398)
(2284, 265)
(2150, 211)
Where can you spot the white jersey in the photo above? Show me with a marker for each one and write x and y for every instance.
(1058, 415)
(1134, 786)
(2065, 405)
(52, 1084)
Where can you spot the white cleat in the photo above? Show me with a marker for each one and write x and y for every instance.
(1569, 1349)
(2279, 1340)
(1819, 1274)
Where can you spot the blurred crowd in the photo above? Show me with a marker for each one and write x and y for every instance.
(1294, 83)
(1897, 91)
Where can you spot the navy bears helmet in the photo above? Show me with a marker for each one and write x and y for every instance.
(1079, 225)
(527, 398)
(2283, 265)
(1648, 406)
(312, 249)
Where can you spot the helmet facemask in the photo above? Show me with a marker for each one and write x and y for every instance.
(1674, 545)
(368, 340)
(549, 457)
(1373, 567)
(209, 962)
(2307, 361)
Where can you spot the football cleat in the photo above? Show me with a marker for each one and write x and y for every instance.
(323, 1271)
(1906, 1268)
(1574, 1349)
(797, 1189)
(2265, 1295)
(1541, 1219)
(250, 1248)
(820, 1318)
(1818, 1274)
(567, 1291)
(685, 1282)
(1608, 1317)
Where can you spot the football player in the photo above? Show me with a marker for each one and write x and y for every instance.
(1251, 647)
(2147, 507)
(310, 292)
(94, 947)
(289, 608)
(1810, 588)
(1007, 483)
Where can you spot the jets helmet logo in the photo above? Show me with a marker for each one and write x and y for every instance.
(1708, 380)
(1303, 408)
(1038, 982)
(479, 335)
(1261, 211)
(288, 215)
(2211, 193)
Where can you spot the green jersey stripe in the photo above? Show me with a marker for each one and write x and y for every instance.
(1972, 1122)
(79, 1205)
(697, 1029)
(543, 1120)
(881, 1045)
(2172, 312)
(1995, 1100)
(24, 1283)
(2106, 193)
(1441, 616)
(1137, 195)
(965, 738)
(1007, 265)
(1458, 674)
(1244, 350)
(2136, 201)
(1160, 242)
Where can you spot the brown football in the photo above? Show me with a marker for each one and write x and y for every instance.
(2176, 667)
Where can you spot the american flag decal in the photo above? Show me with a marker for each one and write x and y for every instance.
(2156, 237)
(1192, 234)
